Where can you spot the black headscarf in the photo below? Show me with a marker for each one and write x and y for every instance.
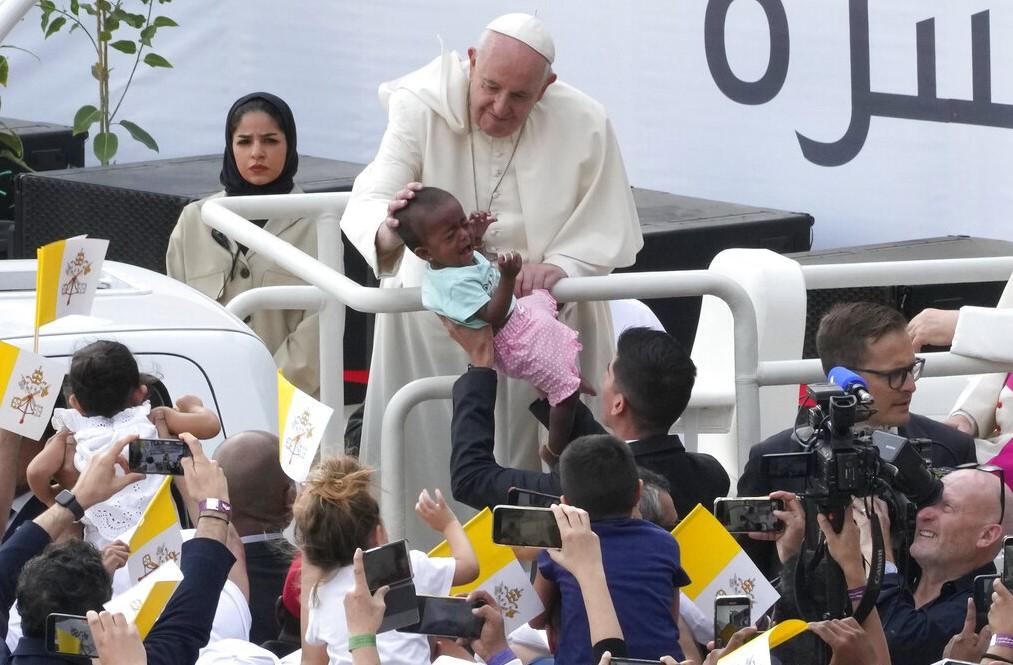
(234, 183)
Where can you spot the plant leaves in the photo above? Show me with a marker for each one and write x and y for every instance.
(139, 135)
(75, 6)
(11, 142)
(155, 60)
(4, 70)
(148, 34)
(85, 117)
(164, 22)
(124, 46)
(111, 26)
(96, 71)
(105, 146)
(88, 8)
(47, 5)
(103, 5)
(135, 21)
(55, 25)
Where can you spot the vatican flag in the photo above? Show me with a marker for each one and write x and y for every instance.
(717, 565)
(302, 421)
(142, 603)
(158, 537)
(31, 383)
(500, 574)
(67, 277)
(757, 651)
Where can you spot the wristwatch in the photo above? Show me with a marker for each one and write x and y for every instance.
(220, 506)
(67, 499)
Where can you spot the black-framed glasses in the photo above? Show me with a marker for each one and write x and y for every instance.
(994, 470)
(895, 378)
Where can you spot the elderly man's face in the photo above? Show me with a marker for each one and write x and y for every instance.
(507, 80)
(891, 353)
(956, 528)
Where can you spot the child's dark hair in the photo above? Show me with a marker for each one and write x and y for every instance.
(598, 473)
(412, 217)
(335, 512)
(102, 377)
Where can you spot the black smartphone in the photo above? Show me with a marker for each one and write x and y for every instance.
(731, 613)
(157, 456)
(387, 565)
(446, 616)
(69, 635)
(748, 514)
(982, 599)
(522, 526)
(518, 496)
(1007, 562)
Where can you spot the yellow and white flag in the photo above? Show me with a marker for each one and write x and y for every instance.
(500, 574)
(31, 383)
(158, 537)
(142, 603)
(718, 566)
(757, 651)
(302, 421)
(67, 277)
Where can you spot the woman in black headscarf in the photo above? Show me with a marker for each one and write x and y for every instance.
(260, 158)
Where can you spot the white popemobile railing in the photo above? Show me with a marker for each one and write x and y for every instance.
(332, 291)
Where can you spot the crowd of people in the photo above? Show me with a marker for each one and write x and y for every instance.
(523, 185)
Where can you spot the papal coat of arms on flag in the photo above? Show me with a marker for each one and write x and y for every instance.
(31, 383)
(302, 422)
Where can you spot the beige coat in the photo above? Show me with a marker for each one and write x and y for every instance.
(564, 200)
(196, 259)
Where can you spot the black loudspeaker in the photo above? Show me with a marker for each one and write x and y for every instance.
(46, 147)
(137, 205)
(685, 233)
(909, 300)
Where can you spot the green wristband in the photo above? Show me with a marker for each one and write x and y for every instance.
(360, 641)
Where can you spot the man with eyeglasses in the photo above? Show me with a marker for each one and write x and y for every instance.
(872, 340)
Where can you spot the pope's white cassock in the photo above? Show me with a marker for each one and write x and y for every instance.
(564, 199)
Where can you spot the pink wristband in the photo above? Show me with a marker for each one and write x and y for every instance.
(1004, 640)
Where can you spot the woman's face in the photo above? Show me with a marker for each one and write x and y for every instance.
(259, 147)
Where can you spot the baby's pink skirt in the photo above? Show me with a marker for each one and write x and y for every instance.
(536, 347)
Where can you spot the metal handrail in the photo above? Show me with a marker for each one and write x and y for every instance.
(888, 273)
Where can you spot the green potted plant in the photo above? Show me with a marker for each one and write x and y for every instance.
(112, 29)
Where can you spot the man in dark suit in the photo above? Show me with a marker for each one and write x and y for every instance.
(17, 503)
(872, 340)
(644, 391)
(262, 497)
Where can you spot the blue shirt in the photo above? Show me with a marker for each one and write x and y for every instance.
(918, 636)
(642, 569)
(458, 293)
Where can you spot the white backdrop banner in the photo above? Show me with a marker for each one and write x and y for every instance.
(885, 120)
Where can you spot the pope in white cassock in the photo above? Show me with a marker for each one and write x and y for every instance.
(502, 135)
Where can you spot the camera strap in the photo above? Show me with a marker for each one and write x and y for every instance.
(877, 565)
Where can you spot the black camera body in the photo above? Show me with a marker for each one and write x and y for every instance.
(838, 464)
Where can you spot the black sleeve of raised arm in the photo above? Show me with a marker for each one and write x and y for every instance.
(476, 478)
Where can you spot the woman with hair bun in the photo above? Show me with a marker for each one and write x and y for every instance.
(335, 515)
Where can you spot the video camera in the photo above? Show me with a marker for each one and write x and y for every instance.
(837, 463)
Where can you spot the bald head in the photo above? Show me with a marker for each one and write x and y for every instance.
(260, 492)
(961, 531)
(508, 78)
